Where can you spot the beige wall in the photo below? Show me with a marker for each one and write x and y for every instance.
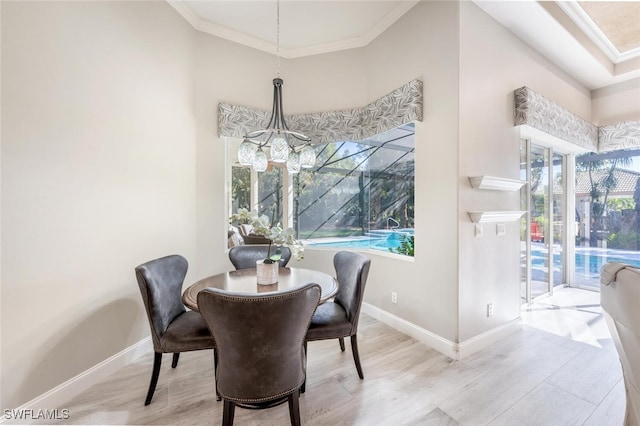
(98, 175)
(493, 63)
(617, 103)
(224, 71)
(423, 44)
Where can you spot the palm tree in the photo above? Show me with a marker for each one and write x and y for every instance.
(602, 180)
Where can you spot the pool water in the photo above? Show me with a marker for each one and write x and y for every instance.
(382, 240)
(588, 262)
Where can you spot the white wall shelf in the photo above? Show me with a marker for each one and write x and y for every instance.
(496, 183)
(502, 216)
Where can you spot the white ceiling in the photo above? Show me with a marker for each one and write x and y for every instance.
(564, 34)
(560, 31)
(307, 27)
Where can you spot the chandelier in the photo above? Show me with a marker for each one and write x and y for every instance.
(284, 145)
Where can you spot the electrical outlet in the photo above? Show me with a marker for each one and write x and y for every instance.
(500, 229)
(490, 309)
(478, 230)
(394, 297)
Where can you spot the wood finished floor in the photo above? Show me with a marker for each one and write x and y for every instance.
(561, 369)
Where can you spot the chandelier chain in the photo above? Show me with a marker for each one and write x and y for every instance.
(278, 38)
(284, 145)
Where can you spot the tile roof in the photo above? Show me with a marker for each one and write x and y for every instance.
(626, 180)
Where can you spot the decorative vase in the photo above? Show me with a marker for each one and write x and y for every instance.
(267, 273)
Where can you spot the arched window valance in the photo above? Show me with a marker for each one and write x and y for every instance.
(399, 107)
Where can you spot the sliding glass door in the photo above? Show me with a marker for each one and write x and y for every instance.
(543, 236)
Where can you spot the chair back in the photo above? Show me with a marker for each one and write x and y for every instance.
(352, 270)
(245, 257)
(160, 283)
(619, 300)
(245, 229)
(259, 339)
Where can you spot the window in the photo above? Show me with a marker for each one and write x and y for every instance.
(360, 194)
(268, 200)
(607, 200)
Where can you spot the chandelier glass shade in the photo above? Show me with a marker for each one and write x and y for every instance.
(260, 161)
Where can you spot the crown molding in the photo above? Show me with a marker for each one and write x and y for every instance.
(230, 34)
(388, 20)
(185, 11)
(297, 52)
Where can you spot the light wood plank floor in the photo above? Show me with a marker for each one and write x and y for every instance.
(561, 369)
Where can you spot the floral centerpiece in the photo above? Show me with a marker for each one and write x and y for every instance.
(276, 235)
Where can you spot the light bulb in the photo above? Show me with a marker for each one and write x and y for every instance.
(293, 162)
(246, 153)
(279, 150)
(307, 157)
(260, 161)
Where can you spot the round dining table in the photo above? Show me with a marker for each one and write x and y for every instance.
(245, 281)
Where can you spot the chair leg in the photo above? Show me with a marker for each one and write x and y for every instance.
(341, 340)
(227, 413)
(174, 363)
(304, 384)
(215, 373)
(294, 408)
(157, 361)
(356, 356)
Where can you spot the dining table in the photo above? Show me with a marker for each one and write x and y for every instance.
(245, 281)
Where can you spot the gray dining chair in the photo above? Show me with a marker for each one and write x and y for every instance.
(245, 257)
(173, 328)
(338, 319)
(259, 340)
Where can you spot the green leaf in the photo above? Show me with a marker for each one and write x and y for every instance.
(276, 257)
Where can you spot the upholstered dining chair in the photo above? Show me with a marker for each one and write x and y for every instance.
(245, 257)
(259, 340)
(173, 328)
(619, 295)
(339, 319)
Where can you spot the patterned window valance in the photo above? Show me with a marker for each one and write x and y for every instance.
(537, 111)
(399, 107)
(541, 113)
(619, 136)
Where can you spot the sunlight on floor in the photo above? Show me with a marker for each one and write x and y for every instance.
(571, 313)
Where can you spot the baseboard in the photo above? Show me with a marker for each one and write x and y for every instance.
(451, 349)
(430, 339)
(488, 338)
(58, 396)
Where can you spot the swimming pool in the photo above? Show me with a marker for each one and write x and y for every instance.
(588, 262)
(382, 240)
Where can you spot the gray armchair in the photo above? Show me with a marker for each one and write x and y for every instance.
(339, 319)
(259, 342)
(173, 329)
(619, 296)
(245, 257)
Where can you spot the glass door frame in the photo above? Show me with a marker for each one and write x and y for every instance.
(568, 220)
